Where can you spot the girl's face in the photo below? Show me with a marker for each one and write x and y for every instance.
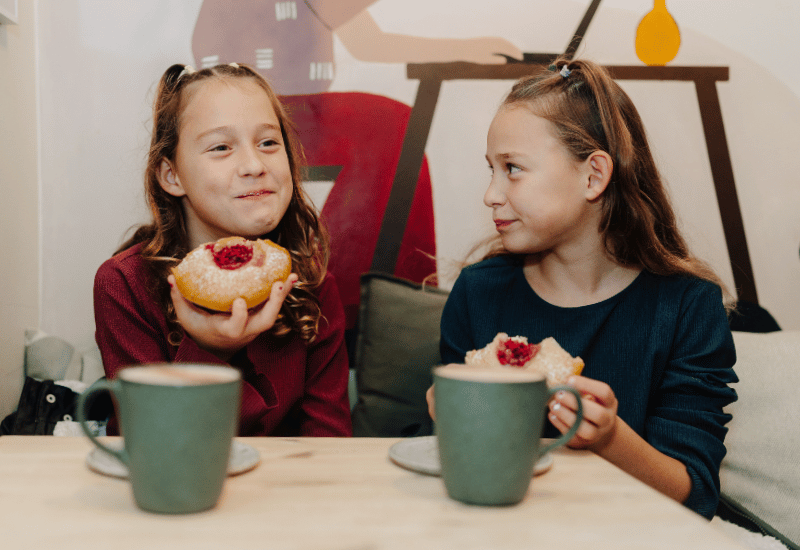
(538, 191)
(231, 166)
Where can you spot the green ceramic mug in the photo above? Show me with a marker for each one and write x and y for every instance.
(178, 423)
(489, 424)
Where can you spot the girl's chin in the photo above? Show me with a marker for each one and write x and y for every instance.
(258, 230)
(512, 245)
(519, 248)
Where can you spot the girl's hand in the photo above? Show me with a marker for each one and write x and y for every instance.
(599, 413)
(224, 334)
(429, 399)
(487, 50)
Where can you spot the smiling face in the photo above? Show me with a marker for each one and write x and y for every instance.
(231, 166)
(541, 196)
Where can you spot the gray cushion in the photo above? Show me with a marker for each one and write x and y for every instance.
(53, 358)
(47, 357)
(396, 347)
(759, 475)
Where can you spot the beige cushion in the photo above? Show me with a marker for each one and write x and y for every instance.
(760, 473)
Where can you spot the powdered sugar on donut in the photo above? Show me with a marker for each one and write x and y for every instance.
(203, 282)
(241, 277)
(547, 357)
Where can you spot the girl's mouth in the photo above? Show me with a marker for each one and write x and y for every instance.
(253, 194)
(502, 224)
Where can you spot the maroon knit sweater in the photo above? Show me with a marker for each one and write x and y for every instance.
(290, 387)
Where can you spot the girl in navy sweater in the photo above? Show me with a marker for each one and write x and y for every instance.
(589, 252)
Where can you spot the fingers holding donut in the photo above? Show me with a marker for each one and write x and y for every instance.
(228, 292)
(203, 326)
(430, 398)
(225, 333)
(264, 318)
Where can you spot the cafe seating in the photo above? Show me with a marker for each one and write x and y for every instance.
(759, 479)
(397, 345)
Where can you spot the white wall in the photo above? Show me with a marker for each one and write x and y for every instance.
(19, 219)
(99, 64)
(100, 59)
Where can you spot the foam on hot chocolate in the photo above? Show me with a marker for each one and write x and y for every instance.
(502, 376)
(180, 375)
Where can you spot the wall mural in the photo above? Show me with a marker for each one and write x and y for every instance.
(367, 168)
(393, 99)
(351, 139)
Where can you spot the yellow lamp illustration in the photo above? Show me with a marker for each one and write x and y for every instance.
(657, 37)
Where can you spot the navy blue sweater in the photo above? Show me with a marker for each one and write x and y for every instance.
(662, 344)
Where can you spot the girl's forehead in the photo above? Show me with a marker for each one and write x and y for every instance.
(518, 131)
(519, 121)
(214, 99)
(215, 89)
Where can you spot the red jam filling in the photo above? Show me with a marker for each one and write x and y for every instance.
(516, 354)
(231, 257)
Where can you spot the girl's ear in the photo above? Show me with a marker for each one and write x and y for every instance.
(599, 166)
(169, 180)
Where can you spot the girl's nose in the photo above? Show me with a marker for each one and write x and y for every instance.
(494, 195)
(251, 163)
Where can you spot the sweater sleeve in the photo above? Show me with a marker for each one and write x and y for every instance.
(130, 328)
(325, 406)
(125, 330)
(687, 421)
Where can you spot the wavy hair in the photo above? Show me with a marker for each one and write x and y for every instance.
(591, 112)
(165, 241)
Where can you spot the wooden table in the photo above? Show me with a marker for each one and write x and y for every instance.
(337, 494)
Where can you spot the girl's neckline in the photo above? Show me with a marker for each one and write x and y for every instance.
(616, 297)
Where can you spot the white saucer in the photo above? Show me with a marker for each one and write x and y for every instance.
(243, 459)
(421, 454)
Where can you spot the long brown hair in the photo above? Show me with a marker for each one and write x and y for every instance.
(591, 112)
(165, 240)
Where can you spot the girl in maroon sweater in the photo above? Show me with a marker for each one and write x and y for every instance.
(224, 161)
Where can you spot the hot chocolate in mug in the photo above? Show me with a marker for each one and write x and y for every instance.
(178, 422)
(488, 424)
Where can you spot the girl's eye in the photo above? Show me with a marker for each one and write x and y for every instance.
(269, 143)
(221, 147)
(512, 168)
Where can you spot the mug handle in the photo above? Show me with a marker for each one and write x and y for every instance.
(84, 399)
(565, 437)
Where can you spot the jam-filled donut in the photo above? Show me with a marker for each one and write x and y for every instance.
(214, 274)
(547, 357)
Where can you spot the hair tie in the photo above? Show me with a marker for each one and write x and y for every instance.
(187, 69)
(565, 72)
(234, 65)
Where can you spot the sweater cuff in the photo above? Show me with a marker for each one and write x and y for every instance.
(702, 498)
